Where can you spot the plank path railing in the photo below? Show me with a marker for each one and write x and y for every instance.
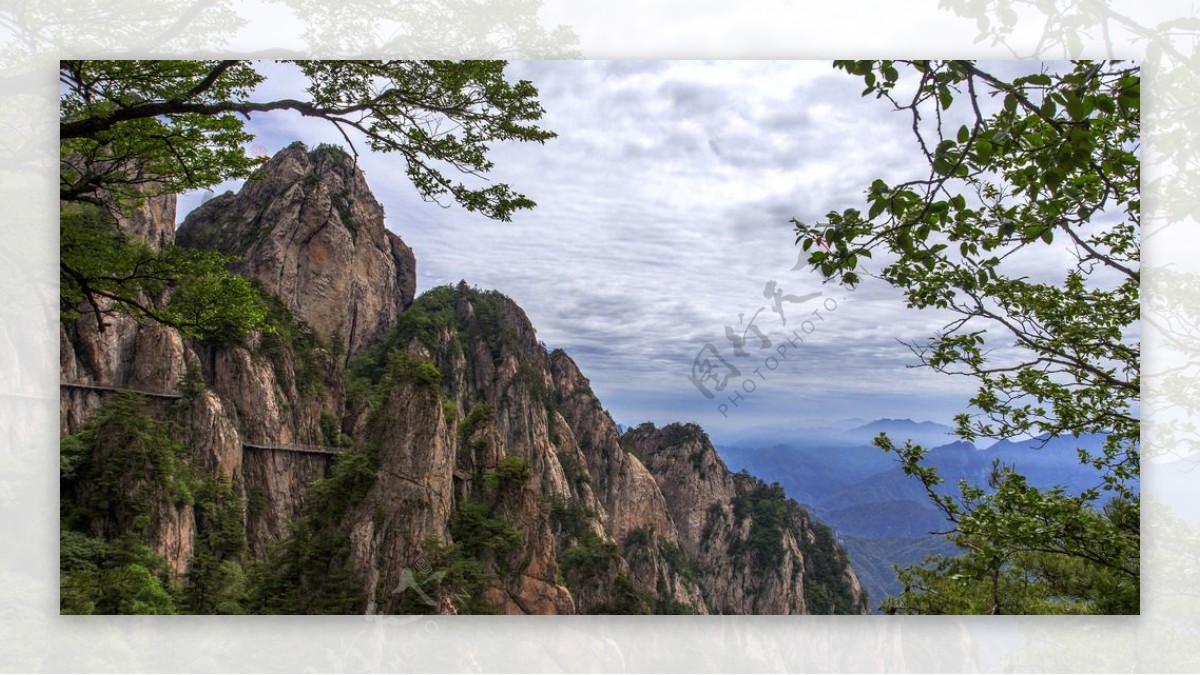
(101, 387)
(246, 445)
(310, 449)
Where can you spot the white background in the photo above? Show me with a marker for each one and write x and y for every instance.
(34, 35)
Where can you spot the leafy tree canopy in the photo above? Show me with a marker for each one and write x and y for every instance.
(1022, 170)
(110, 273)
(134, 129)
(180, 124)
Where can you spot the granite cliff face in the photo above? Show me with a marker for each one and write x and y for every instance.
(313, 234)
(757, 552)
(460, 467)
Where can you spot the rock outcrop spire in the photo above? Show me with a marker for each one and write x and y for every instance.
(311, 231)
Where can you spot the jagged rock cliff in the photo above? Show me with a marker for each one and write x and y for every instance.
(313, 234)
(493, 480)
(227, 404)
(757, 552)
(535, 455)
(476, 472)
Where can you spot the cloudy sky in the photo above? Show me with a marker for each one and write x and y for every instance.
(663, 215)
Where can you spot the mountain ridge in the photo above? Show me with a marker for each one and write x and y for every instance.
(469, 469)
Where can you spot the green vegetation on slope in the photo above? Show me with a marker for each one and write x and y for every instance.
(772, 516)
(122, 477)
(434, 314)
(311, 571)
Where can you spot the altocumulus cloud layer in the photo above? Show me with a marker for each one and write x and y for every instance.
(663, 211)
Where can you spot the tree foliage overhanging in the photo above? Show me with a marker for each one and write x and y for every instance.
(1021, 170)
(179, 125)
(134, 129)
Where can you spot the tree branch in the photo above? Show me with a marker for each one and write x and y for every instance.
(210, 79)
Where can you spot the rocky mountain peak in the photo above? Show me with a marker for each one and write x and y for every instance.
(310, 230)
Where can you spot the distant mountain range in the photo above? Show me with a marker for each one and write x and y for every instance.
(924, 433)
(881, 515)
(854, 431)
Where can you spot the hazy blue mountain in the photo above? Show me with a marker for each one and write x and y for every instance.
(901, 430)
(850, 432)
(810, 472)
(890, 518)
(1053, 461)
(883, 516)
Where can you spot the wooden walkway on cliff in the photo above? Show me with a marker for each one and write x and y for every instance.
(246, 445)
(309, 449)
(105, 388)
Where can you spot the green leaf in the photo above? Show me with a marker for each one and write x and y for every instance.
(1076, 107)
(983, 151)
